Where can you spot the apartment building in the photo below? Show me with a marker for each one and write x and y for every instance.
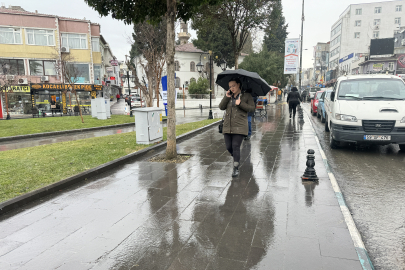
(32, 46)
(357, 25)
(321, 60)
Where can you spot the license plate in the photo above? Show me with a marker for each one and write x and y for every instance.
(377, 138)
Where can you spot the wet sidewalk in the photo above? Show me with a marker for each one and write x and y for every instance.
(193, 215)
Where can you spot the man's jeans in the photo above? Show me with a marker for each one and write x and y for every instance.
(250, 125)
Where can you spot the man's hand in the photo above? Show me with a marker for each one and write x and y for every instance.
(228, 93)
(237, 102)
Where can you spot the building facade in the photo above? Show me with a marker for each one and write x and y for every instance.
(321, 61)
(33, 48)
(357, 25)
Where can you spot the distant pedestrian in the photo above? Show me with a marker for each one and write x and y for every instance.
(280, 94)
(118, 97)
(237, 105)
(293, 99)
(250, 116)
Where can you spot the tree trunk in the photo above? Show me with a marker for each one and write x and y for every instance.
(171, 151)
(78, 105)
(236, 60)
(150, 93)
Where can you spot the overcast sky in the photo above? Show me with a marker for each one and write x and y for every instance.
(319, 17)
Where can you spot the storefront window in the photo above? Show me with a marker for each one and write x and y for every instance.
(19, 103)
(16, 66)
(84, 98)
(79, 73)
(97, 74)
(41, 67)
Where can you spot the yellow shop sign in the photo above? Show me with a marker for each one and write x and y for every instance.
(25, 89)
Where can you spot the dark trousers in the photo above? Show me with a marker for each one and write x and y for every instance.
(233, 143)
(292, 107)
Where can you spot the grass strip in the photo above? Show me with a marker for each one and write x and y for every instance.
(27, 169)
(26, 126)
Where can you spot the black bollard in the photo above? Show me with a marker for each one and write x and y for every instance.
(310, 173)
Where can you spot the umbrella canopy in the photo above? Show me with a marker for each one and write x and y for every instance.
(273, 88)
(251, 81)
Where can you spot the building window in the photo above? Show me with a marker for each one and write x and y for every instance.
(74, 41)
(10, 35)
(377, 21)
(318, 47)
(192, 67)
(177, 82)
(318, 54)
(357, 35)
(377, 10)
(42, 67)
(97, 74)
(16, 66)
(391, 66)
(40, 37)
(398, 21)
(95, 44)
(398, 8)
(78, 73)
(176, 66)
(357, 23)
(358, 11)
(376, 34)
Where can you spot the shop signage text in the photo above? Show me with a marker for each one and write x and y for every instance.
(83, 87)
(347, 57)
(26, 89)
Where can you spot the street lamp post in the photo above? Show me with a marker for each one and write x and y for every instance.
(302, 33)
(200, 69)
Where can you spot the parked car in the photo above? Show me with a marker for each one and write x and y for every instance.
(321, 104)
(312, 92)
(137, 102)
(315, 101)
(367, 109)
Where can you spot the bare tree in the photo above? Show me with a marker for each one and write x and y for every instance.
(149, 46)
(64, 66)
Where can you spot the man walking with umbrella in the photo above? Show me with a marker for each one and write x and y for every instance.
(293, 99)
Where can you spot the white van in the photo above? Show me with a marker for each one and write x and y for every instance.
(367, 109)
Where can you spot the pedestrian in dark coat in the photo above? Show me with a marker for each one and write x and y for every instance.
(293, 99)
(237, 105)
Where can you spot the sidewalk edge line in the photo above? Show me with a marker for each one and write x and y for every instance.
(351, 225)
(50, 189)
(61, 132)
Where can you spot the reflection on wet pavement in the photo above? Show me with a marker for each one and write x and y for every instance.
(193, 215)
(182, 117)
(372, 181)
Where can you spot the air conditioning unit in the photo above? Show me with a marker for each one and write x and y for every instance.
(9, 77)
(23, 81)
(44, 78)
(64, 50)
(403, 42)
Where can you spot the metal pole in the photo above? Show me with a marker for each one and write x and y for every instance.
(184, 101)
(210, 113)
(130, 99)
(302, 33)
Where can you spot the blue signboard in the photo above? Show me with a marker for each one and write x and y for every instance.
(347, 57)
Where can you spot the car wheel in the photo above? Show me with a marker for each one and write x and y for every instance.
(326, 125)
(322, 118)
(332, 142)
(402, 147)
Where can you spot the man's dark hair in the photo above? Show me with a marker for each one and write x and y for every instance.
(237, 80)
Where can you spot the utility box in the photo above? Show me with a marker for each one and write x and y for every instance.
(148, 125)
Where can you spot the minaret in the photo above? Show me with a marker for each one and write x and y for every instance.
(183, 36)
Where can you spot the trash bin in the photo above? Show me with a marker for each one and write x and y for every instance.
(148, 125)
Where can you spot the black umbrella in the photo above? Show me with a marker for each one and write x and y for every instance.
(251, 81)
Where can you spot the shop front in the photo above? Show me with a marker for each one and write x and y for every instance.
(16, 100)
(57, 98)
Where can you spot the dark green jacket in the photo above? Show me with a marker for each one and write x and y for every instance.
(235, 119)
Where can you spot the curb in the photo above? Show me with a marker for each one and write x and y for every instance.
(58, 186)
(56, 133)
(354, 232)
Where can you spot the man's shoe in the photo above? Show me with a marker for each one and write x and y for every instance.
(247, 138)
(290, 115)
(235, 172)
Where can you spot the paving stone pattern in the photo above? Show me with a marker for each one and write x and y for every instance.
(193, 215)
